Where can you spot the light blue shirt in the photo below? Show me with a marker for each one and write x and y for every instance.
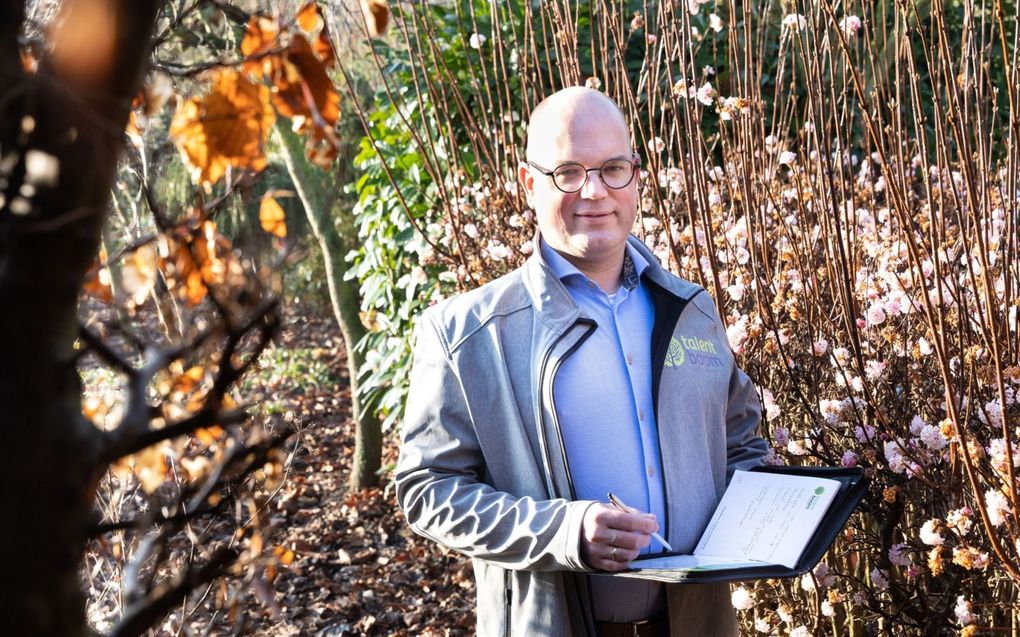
(603, 400)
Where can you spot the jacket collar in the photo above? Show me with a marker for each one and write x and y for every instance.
(552, 301)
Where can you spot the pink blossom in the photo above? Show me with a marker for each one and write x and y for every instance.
(932, 438)
(781, 436)
(794, 22)
(874, 369)
(865, 433)
(850, 25)
(823, 575)
(963, 611)
(894, 457)
(997, 505)
(820, 347)
(879, 579)
(849, 459)
(876, 315)
(960, 520)
(898, 556)
(930, 533)
(742, 599)
(706, 94)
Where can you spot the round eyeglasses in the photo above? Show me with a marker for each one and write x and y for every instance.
(571, 177)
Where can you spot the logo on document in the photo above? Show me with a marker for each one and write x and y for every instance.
(813, 500)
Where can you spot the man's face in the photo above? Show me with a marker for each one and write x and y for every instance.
(588, 227)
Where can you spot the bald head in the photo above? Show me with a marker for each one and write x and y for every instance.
(561, 116)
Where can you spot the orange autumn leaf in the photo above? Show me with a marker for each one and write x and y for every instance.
(283, 554)
(272, 217)
(183, 275)
(189, 379)
(301, 88)
(377, 15)
(228, 127)
(97, 280)
(261, 36)
(209, 435)
(149, 466)
(132, 127)
(310, 19)
(139, 270)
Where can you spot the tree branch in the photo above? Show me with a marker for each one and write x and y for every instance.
(139, 617)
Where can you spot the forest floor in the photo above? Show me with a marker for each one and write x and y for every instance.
(358, 569)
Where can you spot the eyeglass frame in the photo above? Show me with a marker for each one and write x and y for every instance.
(635, 161)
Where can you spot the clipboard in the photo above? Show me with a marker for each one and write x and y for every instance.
(853, 486)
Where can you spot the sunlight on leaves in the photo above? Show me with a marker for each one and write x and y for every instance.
(226, 128)
(377, 16)
(138, 274)
(272, 217)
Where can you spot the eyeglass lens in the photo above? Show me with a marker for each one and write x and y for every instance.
(616, 173)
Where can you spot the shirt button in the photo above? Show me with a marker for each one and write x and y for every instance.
(641, 414)
(630, 359)
(651, 471)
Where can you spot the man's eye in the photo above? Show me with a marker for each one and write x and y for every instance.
(568, 172)
(614, 168)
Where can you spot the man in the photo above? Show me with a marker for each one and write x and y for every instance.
(589, 369)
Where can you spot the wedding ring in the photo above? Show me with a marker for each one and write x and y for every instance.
(612, 554)
(612, 540)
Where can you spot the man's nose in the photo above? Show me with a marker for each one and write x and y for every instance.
(593, 187)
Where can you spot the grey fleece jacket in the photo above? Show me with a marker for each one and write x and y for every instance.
(482, 467)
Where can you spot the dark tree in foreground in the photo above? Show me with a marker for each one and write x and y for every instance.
(61, 134)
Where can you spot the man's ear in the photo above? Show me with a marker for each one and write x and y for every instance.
(526, 180)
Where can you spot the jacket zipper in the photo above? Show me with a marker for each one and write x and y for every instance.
(559, 433)
(552, 402)
(508, 592)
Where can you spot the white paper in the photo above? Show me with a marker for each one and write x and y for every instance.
(767, 517)
(691, 563)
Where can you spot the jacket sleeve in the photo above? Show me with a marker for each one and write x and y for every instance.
(745, 448)
(440, 472)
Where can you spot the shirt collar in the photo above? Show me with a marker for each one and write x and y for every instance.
(634, 263)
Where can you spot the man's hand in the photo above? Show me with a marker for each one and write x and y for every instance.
(611, 538)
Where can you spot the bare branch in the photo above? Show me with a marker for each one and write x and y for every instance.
(139, 617)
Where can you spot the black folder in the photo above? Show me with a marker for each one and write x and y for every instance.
(853, 487)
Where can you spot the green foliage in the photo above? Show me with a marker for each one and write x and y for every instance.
(301, 367)
(395, 285)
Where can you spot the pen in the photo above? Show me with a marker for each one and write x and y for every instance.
(618, 503)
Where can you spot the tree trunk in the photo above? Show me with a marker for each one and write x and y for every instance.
(345, 297)
(60, 135)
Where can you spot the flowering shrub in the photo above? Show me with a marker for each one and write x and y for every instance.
(853, 213)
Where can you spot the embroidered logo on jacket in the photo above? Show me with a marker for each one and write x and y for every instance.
(696, 351)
